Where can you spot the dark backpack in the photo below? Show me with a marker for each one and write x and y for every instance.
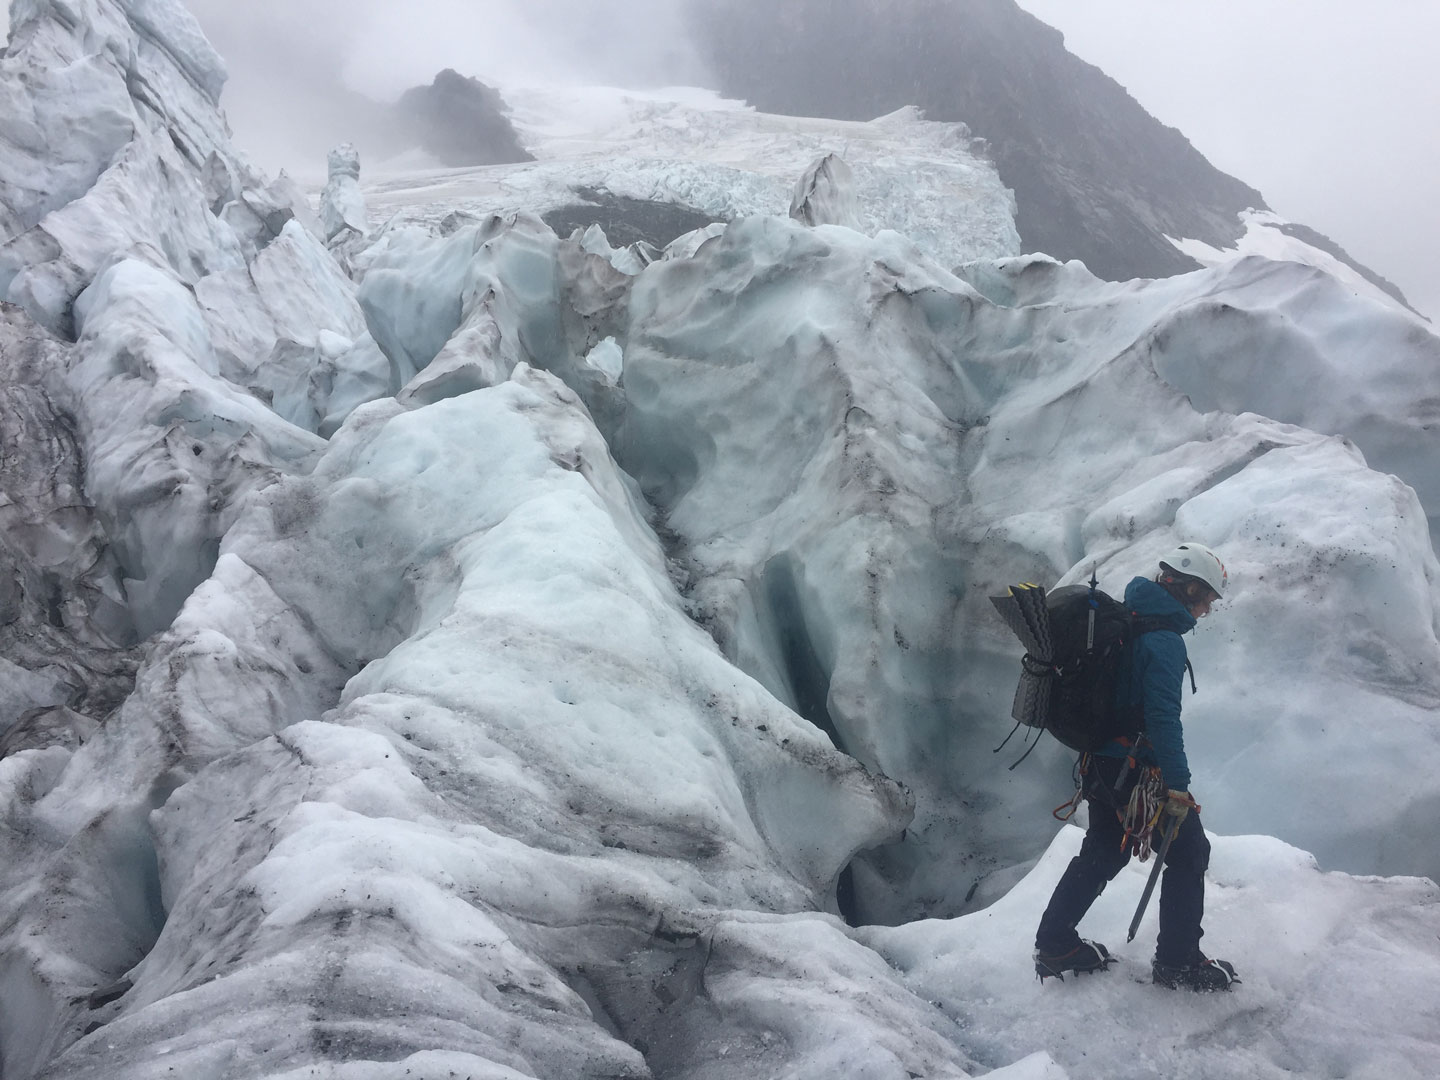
(1077, 642)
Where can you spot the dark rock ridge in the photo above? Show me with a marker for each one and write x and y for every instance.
(458, 120)
(1095, 176)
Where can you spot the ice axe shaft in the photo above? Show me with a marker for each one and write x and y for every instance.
(1154, 877)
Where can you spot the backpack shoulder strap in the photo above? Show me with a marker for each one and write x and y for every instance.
(1148, 624)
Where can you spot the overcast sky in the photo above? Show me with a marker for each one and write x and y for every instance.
(1329, 107)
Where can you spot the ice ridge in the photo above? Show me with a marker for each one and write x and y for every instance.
(437, 646)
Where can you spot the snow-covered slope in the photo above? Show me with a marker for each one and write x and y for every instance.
(462, 649)
(1272, 237)
(1326, 959)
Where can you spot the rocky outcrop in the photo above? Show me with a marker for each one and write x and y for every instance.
(460, 121)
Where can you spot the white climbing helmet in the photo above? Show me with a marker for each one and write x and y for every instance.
(1198, 561)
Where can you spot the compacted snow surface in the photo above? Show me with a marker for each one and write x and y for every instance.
(1324, 958)
(436, 647)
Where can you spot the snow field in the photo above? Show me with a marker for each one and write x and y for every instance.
(1327, 989)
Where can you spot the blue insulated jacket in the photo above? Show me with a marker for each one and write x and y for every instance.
(1156, 676)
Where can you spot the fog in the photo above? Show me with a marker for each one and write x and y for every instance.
(380, 47)
(1325, 107)
(326, 52)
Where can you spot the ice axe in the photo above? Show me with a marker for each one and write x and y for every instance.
(1154, 877)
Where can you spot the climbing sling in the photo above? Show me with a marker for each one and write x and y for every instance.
(1141, 811)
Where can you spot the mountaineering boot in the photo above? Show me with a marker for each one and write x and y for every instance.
(1203, 976)
(1088, 957)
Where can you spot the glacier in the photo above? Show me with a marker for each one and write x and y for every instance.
(435, 646)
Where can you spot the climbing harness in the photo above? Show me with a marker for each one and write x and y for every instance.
(1142, 812)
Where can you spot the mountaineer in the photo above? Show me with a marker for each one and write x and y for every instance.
(1130, 782)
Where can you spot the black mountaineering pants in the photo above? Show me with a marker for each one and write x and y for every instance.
(1103, 854)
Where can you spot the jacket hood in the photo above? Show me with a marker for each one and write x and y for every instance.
(1145, 597)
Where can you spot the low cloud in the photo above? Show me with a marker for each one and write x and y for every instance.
(301, 70)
